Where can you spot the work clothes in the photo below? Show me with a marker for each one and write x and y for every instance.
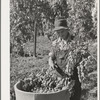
(62, 54)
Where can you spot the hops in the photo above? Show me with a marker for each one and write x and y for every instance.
(43, 84)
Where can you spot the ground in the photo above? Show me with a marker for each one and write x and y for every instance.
(21, 67)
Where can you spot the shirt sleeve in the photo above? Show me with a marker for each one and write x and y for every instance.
(52, 54)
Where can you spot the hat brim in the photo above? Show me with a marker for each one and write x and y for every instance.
(59, 28)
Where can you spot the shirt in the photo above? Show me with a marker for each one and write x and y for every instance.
(65, 54)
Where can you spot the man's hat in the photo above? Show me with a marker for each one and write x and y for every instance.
(60, 24)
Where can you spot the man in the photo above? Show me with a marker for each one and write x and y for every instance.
(61, 55)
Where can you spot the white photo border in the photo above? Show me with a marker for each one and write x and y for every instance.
(5, 50)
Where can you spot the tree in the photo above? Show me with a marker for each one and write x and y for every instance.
(61, 9)
(26, 16)
(80, 18)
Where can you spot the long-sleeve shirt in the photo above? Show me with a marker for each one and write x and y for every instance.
(66, 54)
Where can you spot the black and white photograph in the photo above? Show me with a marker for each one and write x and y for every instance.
(53, 50)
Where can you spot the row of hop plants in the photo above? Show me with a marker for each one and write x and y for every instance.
(78, 14)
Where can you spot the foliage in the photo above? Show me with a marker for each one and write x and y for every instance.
(81, 20)
(61, 9)
(23, 14)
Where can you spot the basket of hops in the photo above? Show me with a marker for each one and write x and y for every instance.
(42, 87)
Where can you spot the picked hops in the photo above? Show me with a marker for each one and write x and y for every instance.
(44, 84)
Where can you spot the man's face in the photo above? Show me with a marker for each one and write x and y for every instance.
(63, 33)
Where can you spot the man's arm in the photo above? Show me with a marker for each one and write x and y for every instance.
(60, 71)
(52, 59)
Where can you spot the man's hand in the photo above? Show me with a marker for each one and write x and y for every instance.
(70, 85)
(52, 58)
(51, 63)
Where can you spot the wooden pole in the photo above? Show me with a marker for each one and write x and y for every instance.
(35, 37)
